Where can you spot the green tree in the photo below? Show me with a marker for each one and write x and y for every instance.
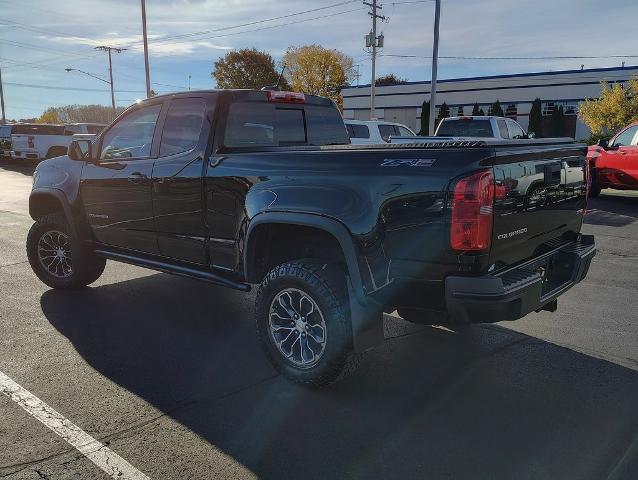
(481, 112)
(425, 118)
(245, 68)
(616, 107)
(536, 118)
(476, 110)
(389, 79)
(497, 110)
(444, 111)
(557, 122)
(318, 71)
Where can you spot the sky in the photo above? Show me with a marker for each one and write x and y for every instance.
(40, 38)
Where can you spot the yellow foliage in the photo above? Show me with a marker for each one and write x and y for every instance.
(616, 107)
(50, 115)
(316, 70)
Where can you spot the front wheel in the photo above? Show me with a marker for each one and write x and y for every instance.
(303, 322)
(58, 258)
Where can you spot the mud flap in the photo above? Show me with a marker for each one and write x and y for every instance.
(367, 320)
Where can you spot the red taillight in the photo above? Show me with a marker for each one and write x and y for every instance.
(286, 97)
(472, 206)
(30, 142)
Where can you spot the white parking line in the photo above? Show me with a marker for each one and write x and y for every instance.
(100, 455)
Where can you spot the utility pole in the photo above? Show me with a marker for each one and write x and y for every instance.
(358, 74)
(117, 50)
(4, 118)
(374, 41)
(148, 73)
(435, 62)
(189, 83)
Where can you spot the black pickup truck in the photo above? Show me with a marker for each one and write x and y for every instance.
(239, 187)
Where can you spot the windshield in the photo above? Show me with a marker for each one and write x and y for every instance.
(465, 128)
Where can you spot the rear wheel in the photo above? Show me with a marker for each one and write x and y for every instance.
(303, 322)
(58, 258)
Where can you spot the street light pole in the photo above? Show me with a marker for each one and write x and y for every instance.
(435, 61)
(4, 119)
(146, 67)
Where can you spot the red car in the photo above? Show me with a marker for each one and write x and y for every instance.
(614, 164)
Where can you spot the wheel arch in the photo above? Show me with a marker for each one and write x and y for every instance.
(366, 315)
(328, 225)
(44, 201)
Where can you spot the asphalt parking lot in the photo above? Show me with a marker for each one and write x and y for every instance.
(166, 372)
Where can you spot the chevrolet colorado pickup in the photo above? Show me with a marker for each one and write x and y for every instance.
(242, 188)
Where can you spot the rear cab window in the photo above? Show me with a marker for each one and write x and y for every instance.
(465, 127)
(502, 128)
(256, 122)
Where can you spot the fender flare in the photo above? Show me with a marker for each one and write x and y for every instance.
(60, 197)
(366, 314)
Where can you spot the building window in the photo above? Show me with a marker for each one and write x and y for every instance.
(570, 108)
(511, 110)
(548, 108)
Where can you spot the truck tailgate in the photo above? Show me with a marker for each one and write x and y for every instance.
(540, 195)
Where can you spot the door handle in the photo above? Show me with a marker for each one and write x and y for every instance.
(137, 177)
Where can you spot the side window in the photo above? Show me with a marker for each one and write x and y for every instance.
(356, 130)
(502, 128)
(386, 131)
(132, 136)
(625, 137)
(182, 126)
(515, 129)
(404, 132)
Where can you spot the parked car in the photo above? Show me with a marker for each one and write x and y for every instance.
(368, 132)
(240, 187)
(471, 128)
(614, 164)
(5, 140)
(41, 141)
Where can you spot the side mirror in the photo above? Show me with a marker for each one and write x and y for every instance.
(602, 143)
(80, 150)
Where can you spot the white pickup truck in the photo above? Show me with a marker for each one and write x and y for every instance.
(38, 141)
(471, 128)
(375, 132)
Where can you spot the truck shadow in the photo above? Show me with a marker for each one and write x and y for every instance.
(612, 211)
(428, 403)
(23, 167)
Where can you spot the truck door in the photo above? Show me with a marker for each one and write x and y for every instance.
(618, 165)
(116, 186)
(177, 179)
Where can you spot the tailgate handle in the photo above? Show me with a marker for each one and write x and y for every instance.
(553, 174)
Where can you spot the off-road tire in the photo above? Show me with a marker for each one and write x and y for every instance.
(86, 267)
(326, 285)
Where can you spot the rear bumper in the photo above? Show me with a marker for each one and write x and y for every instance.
(21, 155)
(513, 293)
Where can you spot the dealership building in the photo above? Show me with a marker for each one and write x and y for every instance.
(516, 92)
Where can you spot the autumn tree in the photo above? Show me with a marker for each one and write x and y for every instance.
(318, 71)
(390, 79)
(616, 107)
(245, 68)
(79, 113)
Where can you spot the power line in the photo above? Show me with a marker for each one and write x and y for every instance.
(556, 57)
(256, 22)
